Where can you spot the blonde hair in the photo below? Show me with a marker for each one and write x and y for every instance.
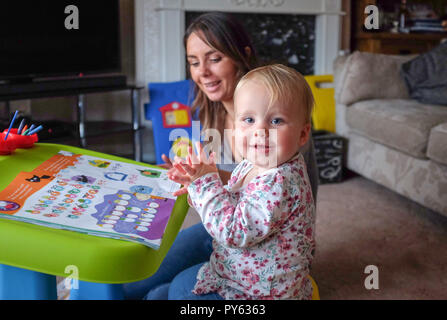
(285, 85)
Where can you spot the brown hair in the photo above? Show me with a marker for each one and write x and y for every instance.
(222, 32)
(285, 85)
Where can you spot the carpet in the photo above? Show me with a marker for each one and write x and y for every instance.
(361, 223)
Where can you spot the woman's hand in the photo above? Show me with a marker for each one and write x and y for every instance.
(173, 175)
(178, 176)
(167, 164)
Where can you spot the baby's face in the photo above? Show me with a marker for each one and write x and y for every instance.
(266, 136)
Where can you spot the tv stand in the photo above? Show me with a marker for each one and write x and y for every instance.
(81, 124)
(23, 86)
(16, 81)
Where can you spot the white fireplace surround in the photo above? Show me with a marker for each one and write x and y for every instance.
(160, 25)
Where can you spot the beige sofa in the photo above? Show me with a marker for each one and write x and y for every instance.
(392, 139)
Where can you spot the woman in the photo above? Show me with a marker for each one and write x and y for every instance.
(219, 53)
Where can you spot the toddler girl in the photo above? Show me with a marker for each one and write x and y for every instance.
(263, 221)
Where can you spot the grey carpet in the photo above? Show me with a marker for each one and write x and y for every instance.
(361, 223)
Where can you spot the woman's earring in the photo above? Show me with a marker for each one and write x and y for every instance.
(247, 51)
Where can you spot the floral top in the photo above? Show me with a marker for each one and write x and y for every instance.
(263, 233)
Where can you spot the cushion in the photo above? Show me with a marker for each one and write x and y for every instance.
(401, 124)
(437, 144)
(373, 76)
(426, 76)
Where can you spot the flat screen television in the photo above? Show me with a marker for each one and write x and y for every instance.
(45, 39)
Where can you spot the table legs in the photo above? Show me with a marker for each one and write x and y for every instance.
(22, 284)
(137, 143)
(97, 291)
(81, 120)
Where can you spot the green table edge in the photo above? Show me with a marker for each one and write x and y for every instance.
(55, 251)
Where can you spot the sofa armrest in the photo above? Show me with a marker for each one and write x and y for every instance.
(340, 66)
(341, 126)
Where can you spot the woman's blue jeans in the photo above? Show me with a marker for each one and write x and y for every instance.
(191, 248)
(181, 288)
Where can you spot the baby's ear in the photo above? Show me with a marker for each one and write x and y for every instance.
(304, 135)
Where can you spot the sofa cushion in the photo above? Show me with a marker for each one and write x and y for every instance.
(437, 144)
(402, 124)
(372, 76)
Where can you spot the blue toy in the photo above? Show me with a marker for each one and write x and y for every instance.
(170, 113)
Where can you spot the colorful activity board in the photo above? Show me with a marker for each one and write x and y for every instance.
(95, 196)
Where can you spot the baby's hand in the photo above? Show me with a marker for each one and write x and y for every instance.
(177, 174)
(197, 166)
(184, 172)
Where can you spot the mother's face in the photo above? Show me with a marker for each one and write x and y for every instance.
(214, 72)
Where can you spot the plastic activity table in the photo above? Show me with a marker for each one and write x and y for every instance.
(31, 256)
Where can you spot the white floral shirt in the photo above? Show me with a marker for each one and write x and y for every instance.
(263, 232)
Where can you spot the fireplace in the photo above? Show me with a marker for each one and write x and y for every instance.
(280, 38)
(160, 25)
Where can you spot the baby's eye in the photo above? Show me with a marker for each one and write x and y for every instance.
(277, 121)
(249, 120)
